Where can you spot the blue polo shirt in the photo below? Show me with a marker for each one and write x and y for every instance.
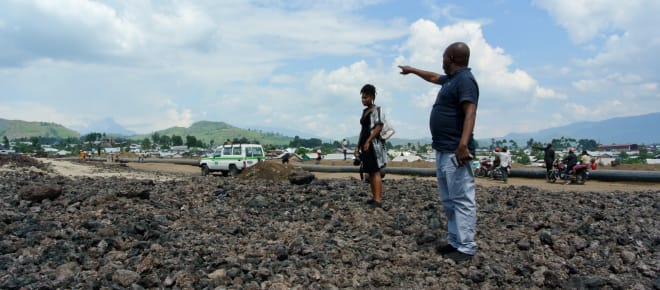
(447, 116)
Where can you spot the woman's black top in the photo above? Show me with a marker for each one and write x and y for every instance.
(369, 162)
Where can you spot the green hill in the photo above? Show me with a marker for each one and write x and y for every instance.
(219, 132)
(19, 129)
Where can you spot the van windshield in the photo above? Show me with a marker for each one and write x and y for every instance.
(254, 152)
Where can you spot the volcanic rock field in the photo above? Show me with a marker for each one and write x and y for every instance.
(194, 232)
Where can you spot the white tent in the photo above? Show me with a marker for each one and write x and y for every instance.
(409, 158)
(111, 150)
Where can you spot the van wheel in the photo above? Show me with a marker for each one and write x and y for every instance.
(233, 171)
(205, 170)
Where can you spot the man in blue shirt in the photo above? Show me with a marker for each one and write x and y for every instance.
(452, 122)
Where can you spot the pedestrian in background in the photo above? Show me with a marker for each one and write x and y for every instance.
(318, 156)
(548, 158)
(344, 147)
(285, 158)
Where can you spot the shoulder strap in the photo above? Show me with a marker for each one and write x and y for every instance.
(367, 111)
(379, 117)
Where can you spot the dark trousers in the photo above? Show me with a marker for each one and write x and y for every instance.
(569, 170)
(505, 173)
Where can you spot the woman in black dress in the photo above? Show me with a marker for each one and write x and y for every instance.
(370, 147)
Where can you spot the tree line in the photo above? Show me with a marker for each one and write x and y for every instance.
(90, 142)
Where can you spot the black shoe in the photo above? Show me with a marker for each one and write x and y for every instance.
(446, 249)
(371, 201)
(375, 204)
(459, 256)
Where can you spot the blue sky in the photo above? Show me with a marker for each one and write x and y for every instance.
(151, 65)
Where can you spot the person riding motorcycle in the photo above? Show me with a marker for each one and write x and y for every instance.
(585, 158)
(505, 162)
(570, 161)
(496, 160)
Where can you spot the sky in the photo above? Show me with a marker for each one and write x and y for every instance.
(295, 64)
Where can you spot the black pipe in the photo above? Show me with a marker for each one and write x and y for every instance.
(193, 162)
(356, 169)
(602, 175)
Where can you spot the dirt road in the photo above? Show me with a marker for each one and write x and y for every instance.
(166, 170)
(590, 186)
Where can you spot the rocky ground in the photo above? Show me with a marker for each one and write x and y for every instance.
(128, 229)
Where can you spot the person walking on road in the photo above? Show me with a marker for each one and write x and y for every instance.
(344, 147)
(549, 159)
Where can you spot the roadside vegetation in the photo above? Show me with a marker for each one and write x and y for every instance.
(94, 142)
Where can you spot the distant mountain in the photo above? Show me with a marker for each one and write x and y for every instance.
(108, 126)
(641, 129)
(289, 132)
(396, 141)
(20, 129)
(219, 132)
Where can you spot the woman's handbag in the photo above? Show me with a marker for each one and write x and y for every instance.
(387, 131)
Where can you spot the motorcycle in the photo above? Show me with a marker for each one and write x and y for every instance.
(497, 173)
(579, 172)
(485, 168)
(488, 168)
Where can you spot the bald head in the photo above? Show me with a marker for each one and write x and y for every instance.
(458, 53)
(456, 56)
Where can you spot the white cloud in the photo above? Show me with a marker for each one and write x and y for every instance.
(181, 118)
(342, 81)
(652, 88)
(210, 59)
(544, 93)
(588, 85)
(492, 66)
(585, 20)
(182, 25)
(302, 63)
(425, 101)
(618, 76)
(624, 27)
(162, 113)
(283, 79)
(38, 112)
(502, 86)
(86, 21)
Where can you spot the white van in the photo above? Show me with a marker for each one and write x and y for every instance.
(232, 159)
